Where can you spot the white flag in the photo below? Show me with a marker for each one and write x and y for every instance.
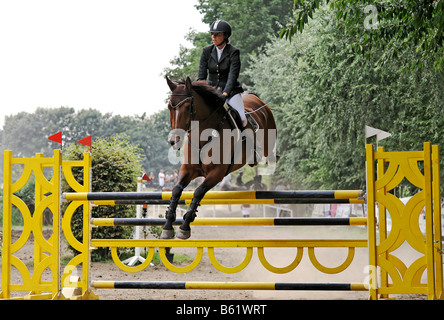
(380, 134)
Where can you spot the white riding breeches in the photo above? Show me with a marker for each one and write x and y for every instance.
(237, 103)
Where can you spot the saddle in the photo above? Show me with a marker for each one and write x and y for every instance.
(236, 121)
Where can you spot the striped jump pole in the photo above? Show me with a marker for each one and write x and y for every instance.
(197, 285)
(228, 201)
(110, 222)
(222, 197)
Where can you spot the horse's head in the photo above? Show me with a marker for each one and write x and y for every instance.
(181, 112)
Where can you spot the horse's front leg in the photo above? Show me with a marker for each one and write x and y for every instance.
(168, 230)
(184, 231)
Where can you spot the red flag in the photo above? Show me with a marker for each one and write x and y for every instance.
(56, 137)
(145, 177)
(85, 141)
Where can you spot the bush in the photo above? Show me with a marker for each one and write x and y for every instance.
(115, 168)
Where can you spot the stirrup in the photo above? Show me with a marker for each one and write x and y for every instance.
(253, 122)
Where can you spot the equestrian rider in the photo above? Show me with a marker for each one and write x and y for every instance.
(222, 61)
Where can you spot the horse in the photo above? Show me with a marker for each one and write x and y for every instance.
(211, 148)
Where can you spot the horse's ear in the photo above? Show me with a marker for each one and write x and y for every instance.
(171, 84)
(188, 84)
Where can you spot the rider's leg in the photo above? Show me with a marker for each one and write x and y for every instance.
(237, 103)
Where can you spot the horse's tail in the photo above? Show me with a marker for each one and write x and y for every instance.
(264, 117)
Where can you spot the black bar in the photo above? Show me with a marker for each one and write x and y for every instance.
(149, 285)
(141, 202)
(310, 201)
(302, 194)
(277, 222)
(311, 221)
(278, 286)
(143, 222)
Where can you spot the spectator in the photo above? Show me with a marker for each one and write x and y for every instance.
(161, 179)
(239, 181)
(150, 184)
(245, 210)
(257, 183)
(168, 180)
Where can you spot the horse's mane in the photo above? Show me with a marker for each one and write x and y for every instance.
(212, 97)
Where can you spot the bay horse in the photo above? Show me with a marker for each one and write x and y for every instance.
(200, 124)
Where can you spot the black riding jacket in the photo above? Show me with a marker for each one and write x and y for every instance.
(223, 73)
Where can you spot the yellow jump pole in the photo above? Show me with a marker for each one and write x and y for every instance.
(204, 285)
(218, 195)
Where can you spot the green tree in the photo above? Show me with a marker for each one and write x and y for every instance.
(391, 25)
(323, 95)
(27, 133)
(151, 135)
(186, 64)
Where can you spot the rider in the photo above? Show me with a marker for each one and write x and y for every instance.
(221, 60)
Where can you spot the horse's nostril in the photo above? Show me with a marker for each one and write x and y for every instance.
(172, 142)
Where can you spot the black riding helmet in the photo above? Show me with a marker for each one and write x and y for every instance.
(221, 26)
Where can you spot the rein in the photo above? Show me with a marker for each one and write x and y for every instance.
(254, 111)
(180, 104)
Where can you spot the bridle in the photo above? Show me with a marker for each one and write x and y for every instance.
(177, 106)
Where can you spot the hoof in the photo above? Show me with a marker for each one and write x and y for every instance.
(183, 234)
(167, 234)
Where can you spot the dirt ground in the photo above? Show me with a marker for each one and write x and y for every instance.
(229, 257)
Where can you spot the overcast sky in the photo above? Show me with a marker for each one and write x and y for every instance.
(101, 54)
